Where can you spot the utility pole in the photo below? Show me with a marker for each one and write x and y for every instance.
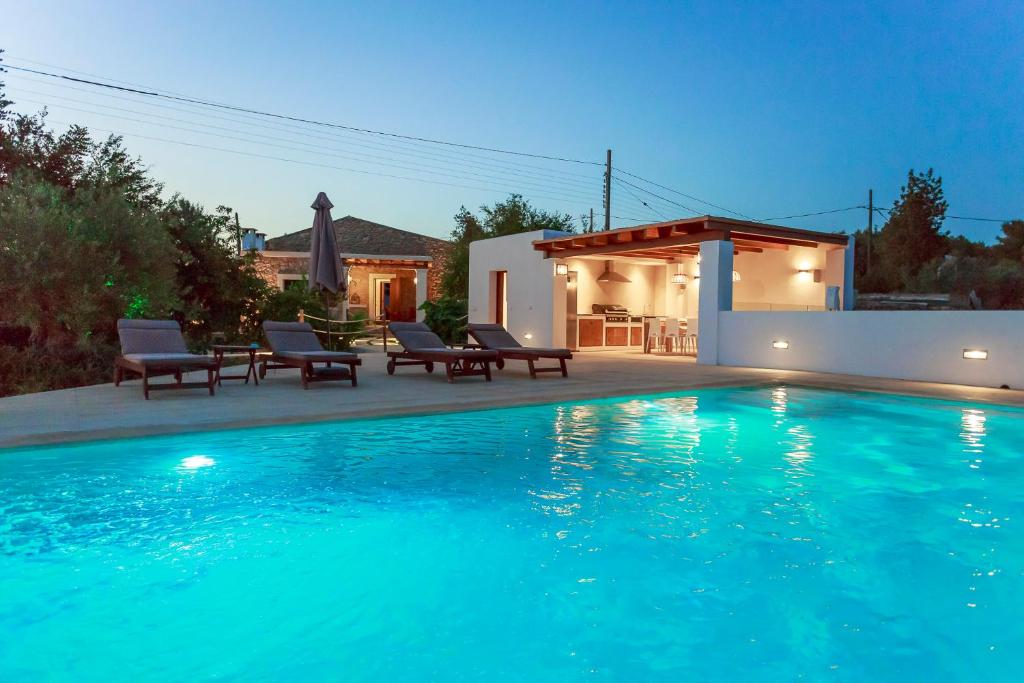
(871, 228)
(608, 192)
(238, 234)
(591, 220)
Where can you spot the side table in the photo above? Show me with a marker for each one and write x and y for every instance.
(218, 354)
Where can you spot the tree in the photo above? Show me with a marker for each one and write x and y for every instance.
(455, 280)
(509, 217)
(1010, 244)
(219, 290)
(913, 234)
(71, 266)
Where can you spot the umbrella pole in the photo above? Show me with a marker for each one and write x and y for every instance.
(327, 311)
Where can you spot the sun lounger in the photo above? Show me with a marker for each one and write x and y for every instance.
(155, 347)
(294, 345)
(497, 338)
(423, 347)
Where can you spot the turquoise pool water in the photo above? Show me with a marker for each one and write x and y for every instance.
(760, 534)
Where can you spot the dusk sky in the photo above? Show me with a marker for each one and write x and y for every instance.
(766, 110)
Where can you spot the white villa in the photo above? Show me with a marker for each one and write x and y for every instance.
(729, 292)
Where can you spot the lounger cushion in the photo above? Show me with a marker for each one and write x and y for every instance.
(493, 336)
(289, 337)
(417, 337)
(150, 336)
(169, 359)
(318, 356)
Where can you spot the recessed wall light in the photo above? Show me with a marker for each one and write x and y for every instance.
(780, 344)
(976, 354)
(528, 335)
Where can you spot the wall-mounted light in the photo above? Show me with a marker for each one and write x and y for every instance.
(976, 354)
(528, 335)
(735, 276)
(561, 269)
(415, 280)
(780, 344)
(814, 274)
(680, 279)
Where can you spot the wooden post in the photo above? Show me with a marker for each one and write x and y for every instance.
(302, 316)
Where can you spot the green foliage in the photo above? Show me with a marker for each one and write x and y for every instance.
(512, 216)
(912, 253)
(447, 318)
(85, 238)
(286, 304)
(912, 236)
(30, 369)
(998, 283)
(71, 265)
(219, 290)
(1010, 244)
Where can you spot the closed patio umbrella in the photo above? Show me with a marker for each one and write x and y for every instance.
(325, 269)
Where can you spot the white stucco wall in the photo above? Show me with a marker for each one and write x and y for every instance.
(771, 279)
(645, 294)
(916, 345)
(530, 287)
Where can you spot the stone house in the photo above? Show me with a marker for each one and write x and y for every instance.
(391, 271)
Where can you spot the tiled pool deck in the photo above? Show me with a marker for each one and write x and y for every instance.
(105, 411)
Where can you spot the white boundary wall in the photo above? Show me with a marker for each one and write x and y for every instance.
(915, 345)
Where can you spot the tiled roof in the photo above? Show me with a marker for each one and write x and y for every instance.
(358, 236)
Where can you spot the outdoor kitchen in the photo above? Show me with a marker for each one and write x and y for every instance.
(642, 289)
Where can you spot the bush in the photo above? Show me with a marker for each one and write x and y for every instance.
(447, 318)
(32, 369)
(285, 305)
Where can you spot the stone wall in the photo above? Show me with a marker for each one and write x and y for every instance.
(270, 267)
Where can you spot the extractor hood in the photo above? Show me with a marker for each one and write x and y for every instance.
(610, 275)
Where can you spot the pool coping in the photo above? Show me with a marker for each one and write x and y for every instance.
(553, 394)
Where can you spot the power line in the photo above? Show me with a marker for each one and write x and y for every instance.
(557, 175)
(664, 199)
(318, 150)
(655, 211)
(815, 213)
(683, 194)
(563, 200)
(960, 218)
(193, 100)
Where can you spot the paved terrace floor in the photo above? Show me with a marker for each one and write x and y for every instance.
(105, 411)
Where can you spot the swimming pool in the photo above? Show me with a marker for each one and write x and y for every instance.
(758, 533)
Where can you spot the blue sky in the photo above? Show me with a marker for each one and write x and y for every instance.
(769, 109)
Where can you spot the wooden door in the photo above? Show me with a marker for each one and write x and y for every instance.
(499, 296)
(403, 298)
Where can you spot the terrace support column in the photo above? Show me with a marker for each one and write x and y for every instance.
(715, 296)
(849, 295)
(422, 275)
